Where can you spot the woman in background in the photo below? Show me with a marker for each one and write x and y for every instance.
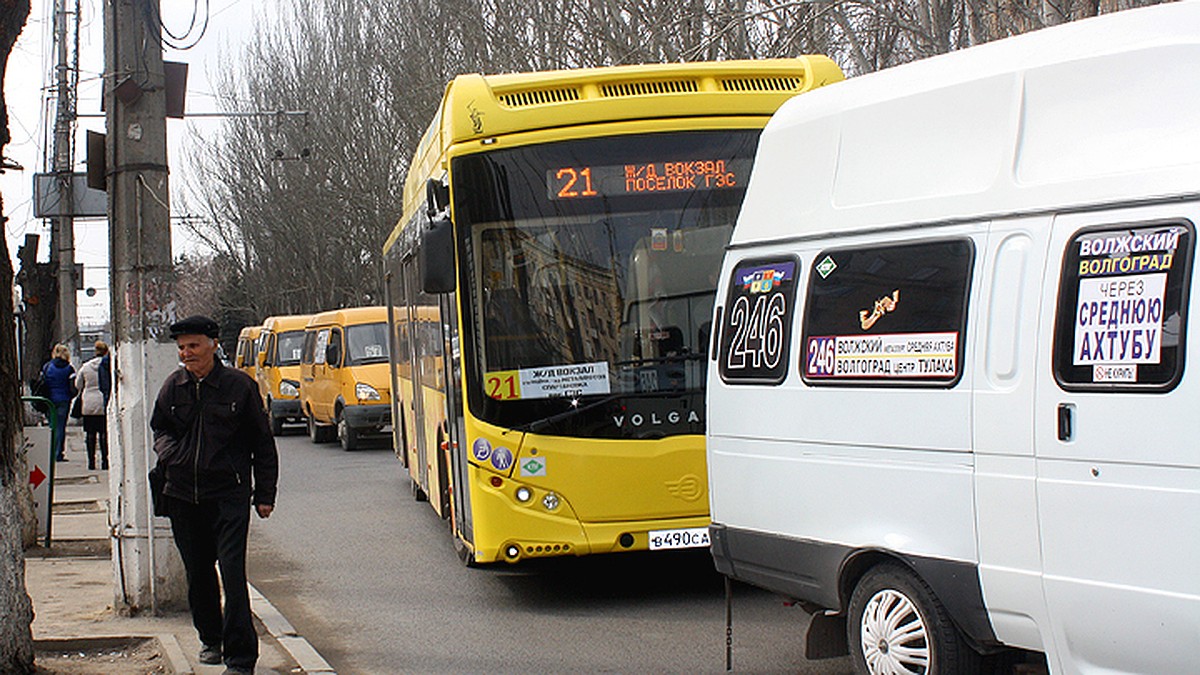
(95, 403)
(59, 376)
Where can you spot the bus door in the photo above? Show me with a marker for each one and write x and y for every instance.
(460, 494)
(414, 418)
(397, 313)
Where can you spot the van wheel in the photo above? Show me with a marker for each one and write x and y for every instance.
(276, 423)
(346, 434)
(311, 425)
(897, 625)
(316, 432)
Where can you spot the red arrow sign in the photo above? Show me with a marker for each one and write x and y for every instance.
(36, 476)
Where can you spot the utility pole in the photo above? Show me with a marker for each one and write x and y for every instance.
(147, 571)
(63, 239)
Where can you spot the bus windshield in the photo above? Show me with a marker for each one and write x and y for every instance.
(288, 347)
(593, 263)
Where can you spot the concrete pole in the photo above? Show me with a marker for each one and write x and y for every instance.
(148, 574)
(63, 241)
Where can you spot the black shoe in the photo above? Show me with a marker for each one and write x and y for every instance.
(238, 670)
(210, 655)
(91, 467)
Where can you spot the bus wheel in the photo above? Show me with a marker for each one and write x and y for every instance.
(897, 625)
(346, 434)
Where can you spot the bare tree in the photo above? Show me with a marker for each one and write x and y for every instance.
(299, 207)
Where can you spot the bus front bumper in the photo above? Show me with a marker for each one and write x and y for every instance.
(510, 530)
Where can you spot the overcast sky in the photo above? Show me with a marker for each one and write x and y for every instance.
(31, 70)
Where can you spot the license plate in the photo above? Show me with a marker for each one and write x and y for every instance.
(690, 537)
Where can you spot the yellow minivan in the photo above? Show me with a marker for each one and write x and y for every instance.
(345, 376)
(281, 344)
(246, 357)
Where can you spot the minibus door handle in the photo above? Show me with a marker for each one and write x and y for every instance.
(1066, 422)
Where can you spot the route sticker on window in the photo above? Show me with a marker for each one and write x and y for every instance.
(902, 355)
(1120, 330)
(756, 326)
(549, 382)
(1118, 325)
(373, 351)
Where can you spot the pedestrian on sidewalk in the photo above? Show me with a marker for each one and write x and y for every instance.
(59, 377)
(94, 406)
(216, 450)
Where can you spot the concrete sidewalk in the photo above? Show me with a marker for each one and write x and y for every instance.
(71, 584)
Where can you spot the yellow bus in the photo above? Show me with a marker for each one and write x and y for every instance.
(280, 346)
(550, 290)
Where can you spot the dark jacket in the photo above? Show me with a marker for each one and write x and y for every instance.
(106, 377)
(59, 375)
(210, 435)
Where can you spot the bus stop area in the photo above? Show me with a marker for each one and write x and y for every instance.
(76, 628)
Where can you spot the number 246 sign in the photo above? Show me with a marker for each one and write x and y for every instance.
(756, 330)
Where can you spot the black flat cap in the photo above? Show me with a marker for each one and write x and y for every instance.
(196, 325)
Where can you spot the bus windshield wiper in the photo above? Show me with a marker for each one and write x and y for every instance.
(531, 427)
(675, 358)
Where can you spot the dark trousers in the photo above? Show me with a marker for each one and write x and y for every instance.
(59, 437)
(207, 534)
(95, 428)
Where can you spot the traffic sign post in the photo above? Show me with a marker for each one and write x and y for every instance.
(38, 456)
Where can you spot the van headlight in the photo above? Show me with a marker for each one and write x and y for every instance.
(289, 389)
(365, 392)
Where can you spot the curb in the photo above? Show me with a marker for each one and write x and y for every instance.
(303, 653)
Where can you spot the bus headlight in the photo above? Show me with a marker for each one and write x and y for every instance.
(524, 494)
(550, 501)
(365, 392)
(289, 389)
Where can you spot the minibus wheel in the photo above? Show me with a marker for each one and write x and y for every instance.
(276, 423)
(897, 625)
(316, 432)
(346, 434)
(311, 424)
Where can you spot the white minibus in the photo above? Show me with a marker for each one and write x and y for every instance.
(951, 383)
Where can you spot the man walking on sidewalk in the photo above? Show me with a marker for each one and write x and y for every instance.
(216, 450)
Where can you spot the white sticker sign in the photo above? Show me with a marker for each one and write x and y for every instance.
(578, 379)
(901, 355)
(1118, 321)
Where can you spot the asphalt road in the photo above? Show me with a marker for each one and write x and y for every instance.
(370, 578)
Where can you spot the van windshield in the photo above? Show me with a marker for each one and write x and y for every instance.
(288, 348)
(366, 343)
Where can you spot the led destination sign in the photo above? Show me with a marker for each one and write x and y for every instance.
(580, 182)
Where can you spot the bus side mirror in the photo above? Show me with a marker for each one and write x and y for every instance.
(332, 357)
(262, 359)
(437, 257)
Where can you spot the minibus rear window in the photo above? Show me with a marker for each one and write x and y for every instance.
(1122, 308)
(888, 315)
